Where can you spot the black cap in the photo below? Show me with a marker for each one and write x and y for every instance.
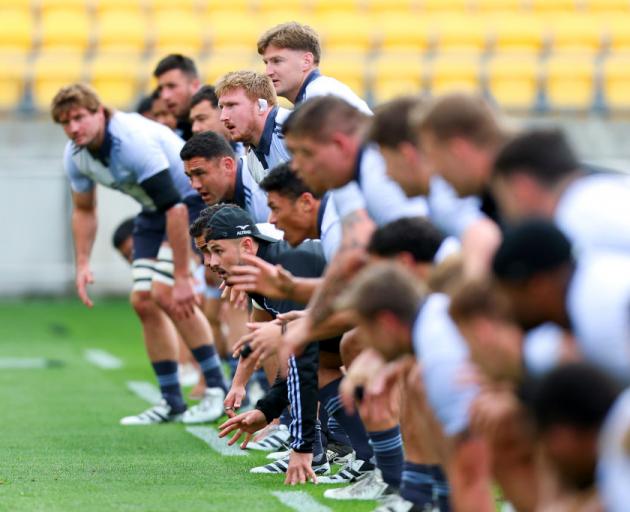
(231, 222)
(530, 248)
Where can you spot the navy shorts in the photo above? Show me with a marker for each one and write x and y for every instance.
(149, 229)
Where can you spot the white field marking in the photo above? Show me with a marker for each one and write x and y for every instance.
(145, 390)
(209, 436)
(300, 501)
(23, 363)
(102, 359)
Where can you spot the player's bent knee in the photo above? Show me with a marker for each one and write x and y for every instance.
(161, 295)
(143, 304)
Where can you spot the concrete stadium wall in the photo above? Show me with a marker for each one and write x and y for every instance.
(35, 237)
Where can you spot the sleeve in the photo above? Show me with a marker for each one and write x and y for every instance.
(449, 212)
(331, 235)
(348, 199)
(275, 401)
(78, 182)
(161, 189)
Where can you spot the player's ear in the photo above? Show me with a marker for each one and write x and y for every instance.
(308, 60)
(307, 201)
(228, 164)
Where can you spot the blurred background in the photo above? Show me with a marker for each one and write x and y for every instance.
(542, 61)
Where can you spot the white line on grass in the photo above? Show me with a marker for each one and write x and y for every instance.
(102, 359)
(209, 436)
(300, 501)
(145, 390)
(23, 363)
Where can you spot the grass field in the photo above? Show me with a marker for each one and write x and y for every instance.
(62, 449)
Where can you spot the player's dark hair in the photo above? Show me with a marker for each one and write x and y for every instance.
(575, 394)
(284, 181)
(390, 124)
(208, 145)
(414, 235)
(206, 93)
(176, 61)
(122, 232)
(145, 105)
(198, 226)
(544, 154)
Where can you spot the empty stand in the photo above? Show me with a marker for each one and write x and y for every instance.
(115, 78)
(450, 73)
(51, 71)
(570, 82)
(513, 80)
(396, 74)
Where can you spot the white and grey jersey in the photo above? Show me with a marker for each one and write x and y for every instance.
(376, 192)
(449, 212)
(271, 149)
(594, 212)
(248, 194)
(317, 84)
(444, 358)
(598, 305)
(134, 149)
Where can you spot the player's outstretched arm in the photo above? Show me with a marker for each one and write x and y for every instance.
(84, 223)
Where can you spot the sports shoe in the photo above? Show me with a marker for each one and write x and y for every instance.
(339, 453)
(396, 503)
(354, 470)
(278, 455)
(276, 440)
(210, 408)
(280, 466)
(188, 375)
(371, 487)
(159, 413)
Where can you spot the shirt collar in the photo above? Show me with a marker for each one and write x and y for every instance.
(264, 145)
(320, 213)
(239, 190)
(102, 154)
(301, 96)
(357, 165)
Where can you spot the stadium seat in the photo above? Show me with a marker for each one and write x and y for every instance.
(616, 82)
(402, 34)
(51, 71)
(75, 5)
(577, 33)
(136, 7)
(396, 74)
(224, 37)
(388, 7)
(16, 31)
(553, 7)
(351, 69)
(604, 6)
(513, 80)
(218, 64)
(336, 36)
(21, 5)
(450, 73)
(11, 80)
(122, 31)
(115, 77)
(503, 6)
(266, 6)
(272, 18)
(458, 6)
(460, 33)
(569, 82)
(65, 30)
(178, 32)
(233, 8)
(187, 6)
(518, 32)
(334, 7)
(618, 33)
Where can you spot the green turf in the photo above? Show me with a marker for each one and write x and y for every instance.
(62, 449)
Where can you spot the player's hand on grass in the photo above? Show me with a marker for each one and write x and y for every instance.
(83, 278)
(256, 275)
(300, 470)
(247, 423)
(184, 297)
(234, 399)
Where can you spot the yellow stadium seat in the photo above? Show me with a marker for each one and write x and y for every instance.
(233, 8)
(518, 32)
(16, 30)
(569, 82)
(11, 80)
(229, 35)
(218, 64)
(336, 36)
(65, 30)
(178, 32)
(401, 34)
(618, 29)
(348, 68)
(460, 33)
(388, 7)
(190, 6)
(122, 31)
(450, 73)
(76, 5)
(396, 74)
(553, 7)
(272, 18)
(327, 7)
(51, 71)
(264, 6)
(115, 77)
(577, 33)
(22, 5)
(616, 81)
(513, 80)
(489, 6)
(601, 6)
(459, 6)
(136, 7)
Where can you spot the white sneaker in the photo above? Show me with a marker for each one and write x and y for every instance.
(209, 409)
(371, 487)
(278, 455)
(159, 413)
(276, 440)
(188, 375)
(396, 503)
(354, 470)
(340, 454)
(280, 466)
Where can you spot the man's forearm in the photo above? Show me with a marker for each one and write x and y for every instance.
(244, 371)
(178, 238)
(335, 325)
(84, 225)
(302, 289)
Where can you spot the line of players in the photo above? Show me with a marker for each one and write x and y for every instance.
(455, 271)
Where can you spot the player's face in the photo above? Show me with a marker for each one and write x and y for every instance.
(238, 115)
(406, 167)
(286, 68)
(82, 126)
(288, 216)
(205, 118)
(176, 89)
(316, 162)
(221, 255)
(573, 453)
(525, 304)
(518, 197)
(210, 178)
(161, 114)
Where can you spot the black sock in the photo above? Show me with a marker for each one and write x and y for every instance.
(388, 449)
(417, 483)
(208, 359)
(168, 379)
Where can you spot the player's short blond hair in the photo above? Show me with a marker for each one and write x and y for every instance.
(72, 96)
(256, 85)
(294, 36)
